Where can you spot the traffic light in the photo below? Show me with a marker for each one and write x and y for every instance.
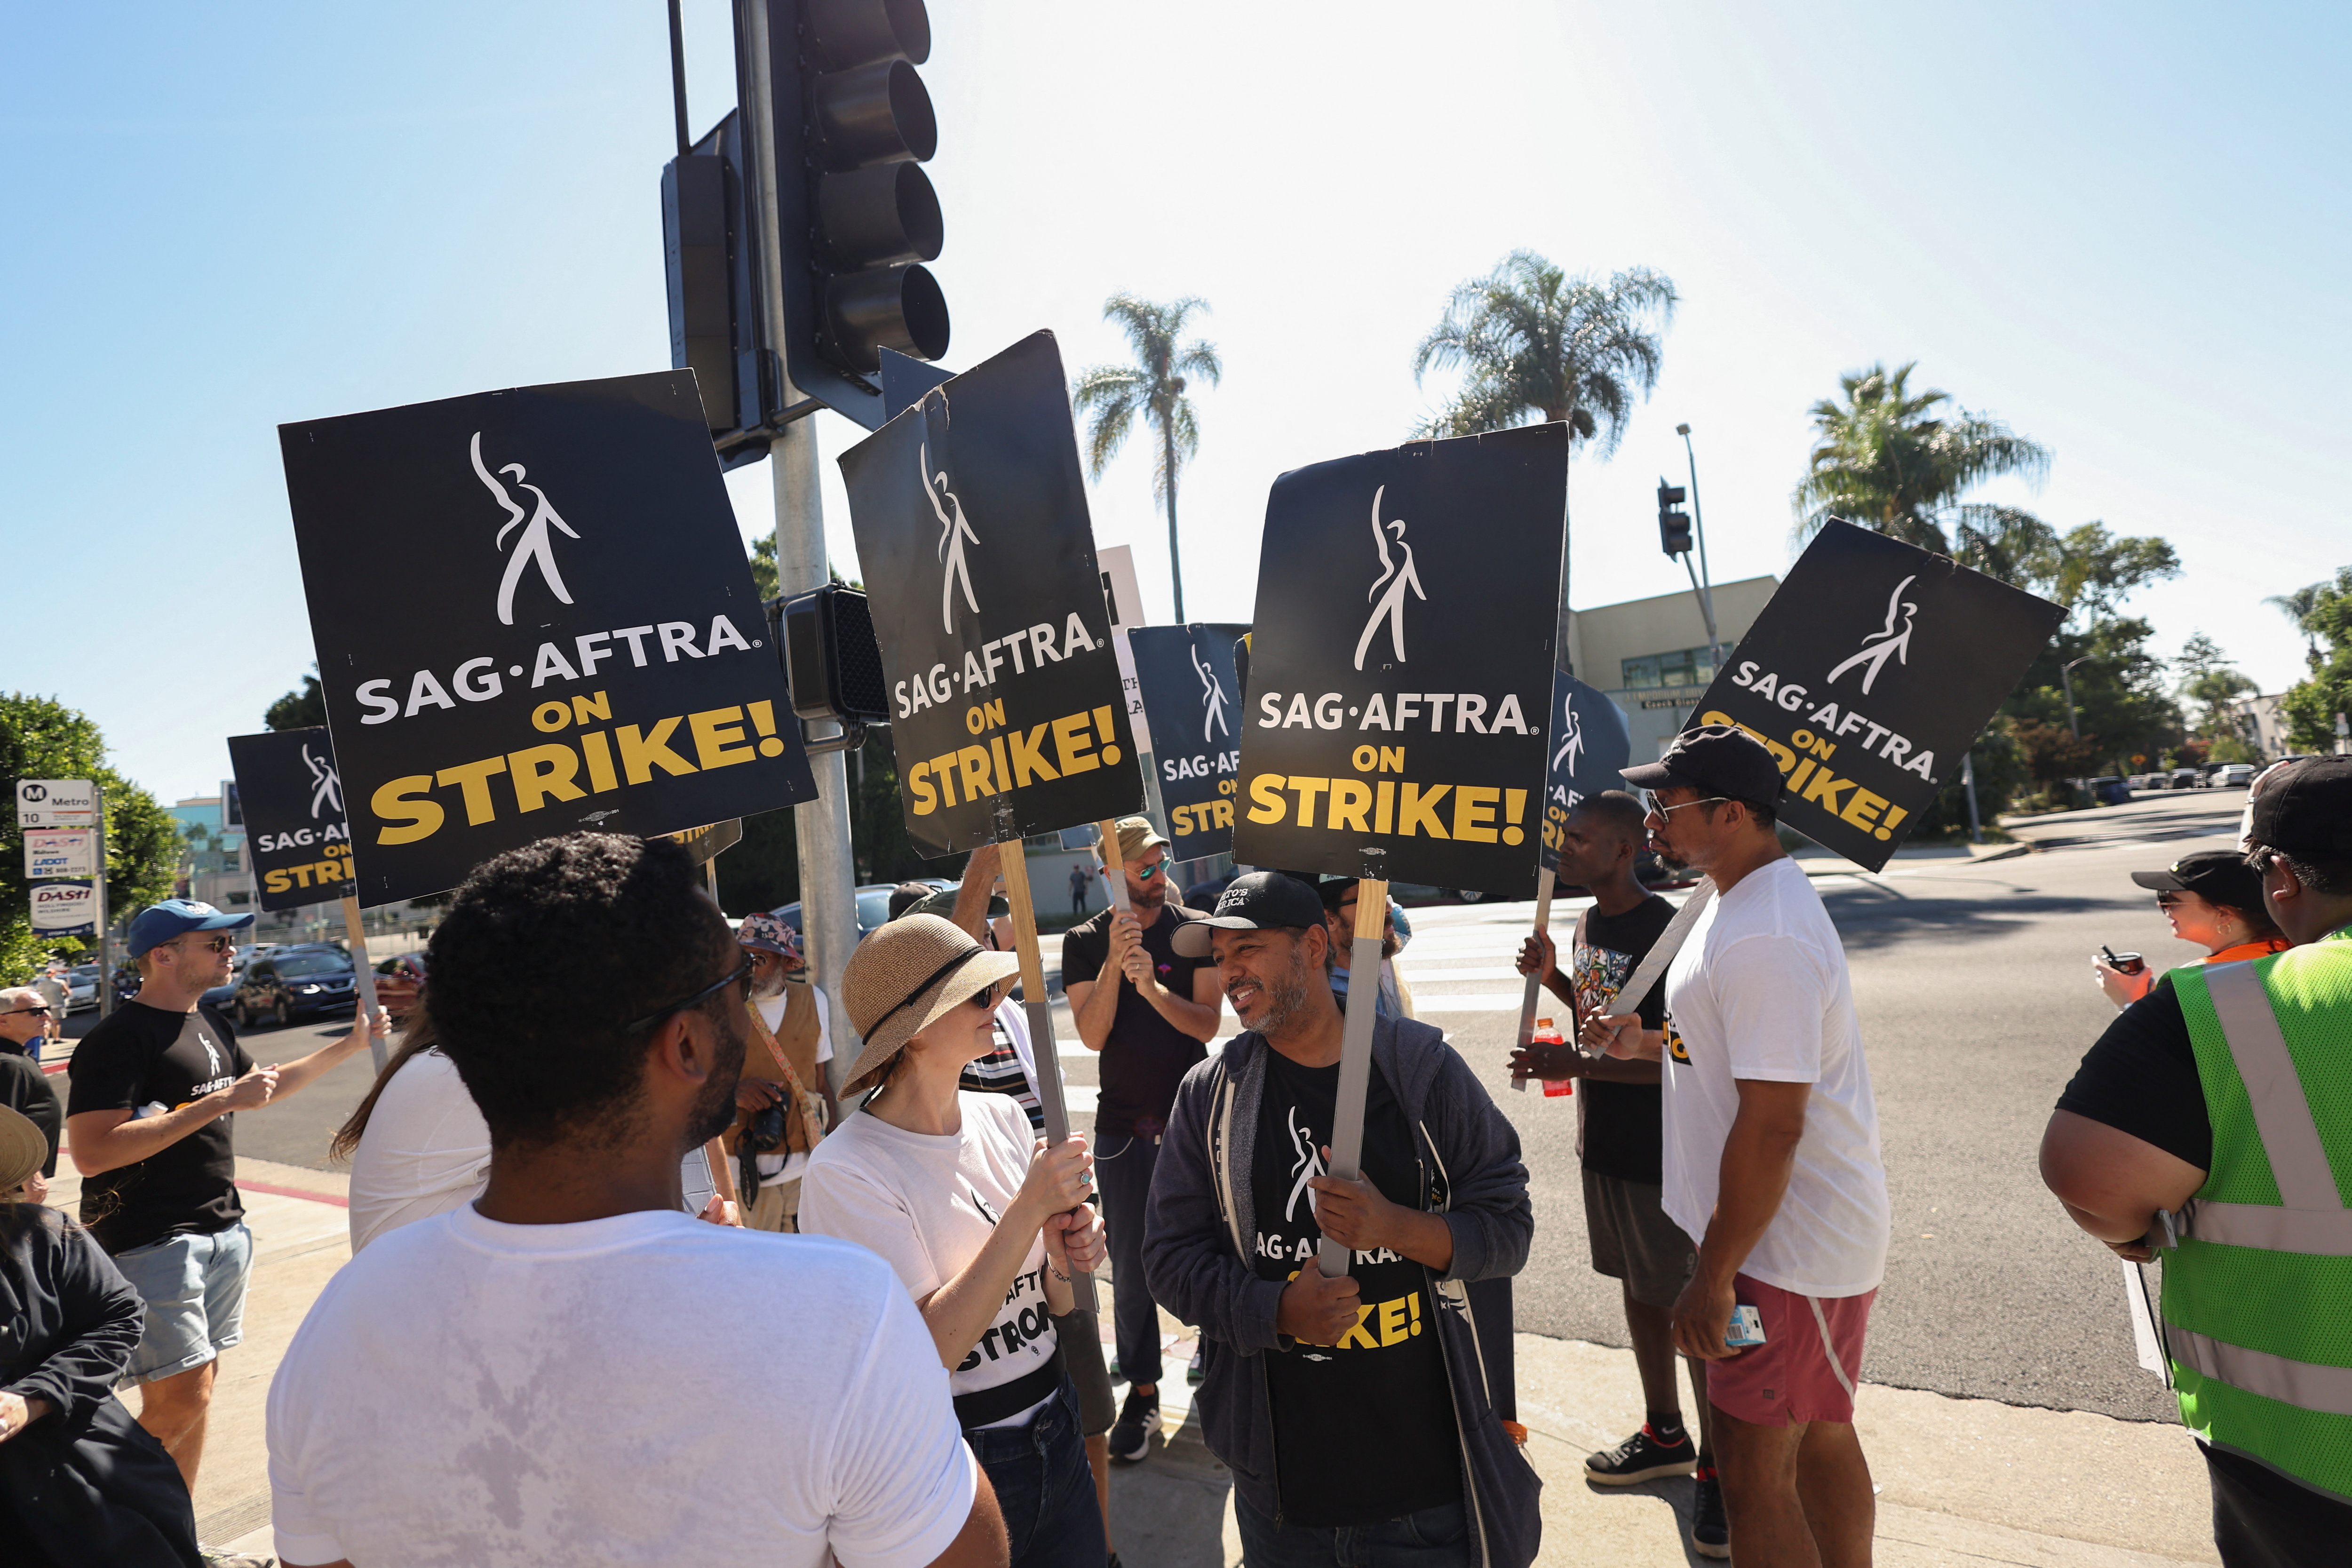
(831, 663)
(717, 325)
(1674, 526)
(855, 214)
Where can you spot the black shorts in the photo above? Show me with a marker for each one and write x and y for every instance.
(1634, 1241)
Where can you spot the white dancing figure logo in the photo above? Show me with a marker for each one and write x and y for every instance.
(326, 784)
(1396, 578)
(1572, 738)
(953, 533)
(534, 547)
(1303, 1168)
(1878, 645)
(1212, 698)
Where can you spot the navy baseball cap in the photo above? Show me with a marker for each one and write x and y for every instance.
(159, 923)
(1715, 759)
(1260, 901)
(2217, 876)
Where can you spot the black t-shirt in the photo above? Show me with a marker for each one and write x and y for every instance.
(1624, 1123)
(2141, 1078)
(1357, 1437)
(147, 1061)
(1146, 1057)
(25, 1089)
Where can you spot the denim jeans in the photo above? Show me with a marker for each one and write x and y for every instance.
(194, 1287)
(1044, 1488)
(1434, 1538)
(1123, 1167)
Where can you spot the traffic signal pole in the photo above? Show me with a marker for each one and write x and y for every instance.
(828, 874)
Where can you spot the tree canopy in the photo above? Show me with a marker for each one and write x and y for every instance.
(1153, 388)
(303, 708)
(2311, 706)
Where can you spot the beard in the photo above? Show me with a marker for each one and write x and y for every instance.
(714, 1109)
(770, 983)
(1282, 997)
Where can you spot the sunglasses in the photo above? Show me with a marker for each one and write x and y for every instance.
(1666, 812)
(43, 1009)
(216, 943)
(739, 976)
(1145, 873)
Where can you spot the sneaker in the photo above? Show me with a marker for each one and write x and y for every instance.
(219, 1557)
(1193, 1373)
(1641, 1458)
(1138, 1423)
(1115, 1375)
(1710, 1532)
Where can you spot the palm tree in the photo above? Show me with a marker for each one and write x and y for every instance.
(1891, 460)
(1532, 339)
(2296, 607)
(1154, 387)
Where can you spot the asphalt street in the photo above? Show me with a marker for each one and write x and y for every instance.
(1973, 985)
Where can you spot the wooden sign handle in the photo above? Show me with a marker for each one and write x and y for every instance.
(1356, 1052)
(362, 976)
(1544, 881)
(1013, 863)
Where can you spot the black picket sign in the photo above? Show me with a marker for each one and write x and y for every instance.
(1869, 675)
(1007, 709)
(300, 845)
(1401, 663)
(1192, 704)
(1590, 748)
(533, 615)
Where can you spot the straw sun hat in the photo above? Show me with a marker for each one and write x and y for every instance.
(24, 1148)
(907, 975)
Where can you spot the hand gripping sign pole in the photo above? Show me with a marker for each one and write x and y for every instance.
(1014, 864)
(1355, 1048)
(356, 933)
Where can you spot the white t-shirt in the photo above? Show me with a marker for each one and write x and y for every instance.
(775, 1170)
(466, 1392)
(927, 1203)
(426, 1150)
(1760, 992)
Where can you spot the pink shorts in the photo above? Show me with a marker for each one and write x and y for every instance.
(1806, 1368)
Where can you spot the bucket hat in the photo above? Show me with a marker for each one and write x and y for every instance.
(23, 1148)
(905, 976)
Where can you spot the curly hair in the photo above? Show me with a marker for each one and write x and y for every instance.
(546, 955)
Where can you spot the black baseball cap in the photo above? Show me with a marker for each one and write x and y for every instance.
(2306, 809)
(2217, 876)
(1713, 759)
(1262, 900)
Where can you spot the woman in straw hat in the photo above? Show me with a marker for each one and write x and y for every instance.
(981, 1221)
(81, 1480)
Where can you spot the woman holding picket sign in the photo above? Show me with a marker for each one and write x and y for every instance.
(981, 1221)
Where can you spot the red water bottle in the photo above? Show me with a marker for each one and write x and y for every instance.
(1545, 1035)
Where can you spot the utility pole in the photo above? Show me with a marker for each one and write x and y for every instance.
(1703, 583)
(2066, 678)
(829, 875)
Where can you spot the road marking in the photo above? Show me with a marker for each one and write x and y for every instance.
(1419, 976)
(1476, 1002)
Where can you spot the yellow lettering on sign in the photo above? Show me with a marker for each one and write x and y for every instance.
(973, 760)
(1073, 745)
(1307, 790)
(1266, 803)
(641, 753)
(1474, 806)
(405, 800)
(542, 771)
(1029, 757)
(474, 780)
(919, 779)
(719, 740)
(598, 750)
(1419, 811)
(1350, 798)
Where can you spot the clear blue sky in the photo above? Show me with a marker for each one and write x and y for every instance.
(2121, 230)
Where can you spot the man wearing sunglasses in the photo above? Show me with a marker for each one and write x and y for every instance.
(1151, 1012)
(24, 1020)
(149, 1122)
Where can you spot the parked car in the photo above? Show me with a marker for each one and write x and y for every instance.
(872, 908)
(2187, 778)
(2110, 791)
(399, 985)
(2234, 775)
(296, 982)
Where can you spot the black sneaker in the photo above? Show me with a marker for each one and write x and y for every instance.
(1138, 1424)
(1710, 1532)
(1194, 1372)
(1641, 1458)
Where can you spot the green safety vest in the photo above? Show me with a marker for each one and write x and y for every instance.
(2258, 1297)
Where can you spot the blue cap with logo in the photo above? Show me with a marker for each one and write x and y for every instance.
(159, 923)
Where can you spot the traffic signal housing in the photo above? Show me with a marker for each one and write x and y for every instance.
(1673, 525)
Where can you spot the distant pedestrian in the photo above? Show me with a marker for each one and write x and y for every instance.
(80, 1481)
(784, 1101)
(1079, 883)
(559, 1373)
(1620, 1143)
(981, 1221)
(2208, 1122)
(1354, 1411)
(2212, 899)
(1151, 1011)
(155, 1089)
(1771, 1156)
(1393, 999)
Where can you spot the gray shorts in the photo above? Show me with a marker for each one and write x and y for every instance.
(1634, 1241)
(194, 1288)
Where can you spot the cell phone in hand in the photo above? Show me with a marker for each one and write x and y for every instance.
(2123, 962)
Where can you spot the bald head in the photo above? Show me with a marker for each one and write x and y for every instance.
(18, 1020)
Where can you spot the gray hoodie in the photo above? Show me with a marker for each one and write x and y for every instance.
(1196, 1257)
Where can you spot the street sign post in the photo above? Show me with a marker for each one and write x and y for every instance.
(56, 802)
(52, 854)
(74, 903)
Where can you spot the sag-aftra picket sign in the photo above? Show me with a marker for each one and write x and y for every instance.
(1191, 706)
(1401, 663)
(1589, 750)
(295, 830)
(1006, 707)
(533, 615)
(1869, 675)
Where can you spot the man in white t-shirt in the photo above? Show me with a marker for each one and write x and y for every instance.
(1771, 1156)
(552, 1374)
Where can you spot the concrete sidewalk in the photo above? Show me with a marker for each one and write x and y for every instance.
(1962, 1482)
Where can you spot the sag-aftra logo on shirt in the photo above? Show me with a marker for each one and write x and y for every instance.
(1675, 1043)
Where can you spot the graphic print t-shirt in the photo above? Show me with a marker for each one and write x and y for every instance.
(1621, 1132)
(1363, 1430)
(1147, 1056)
(148, 1062)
